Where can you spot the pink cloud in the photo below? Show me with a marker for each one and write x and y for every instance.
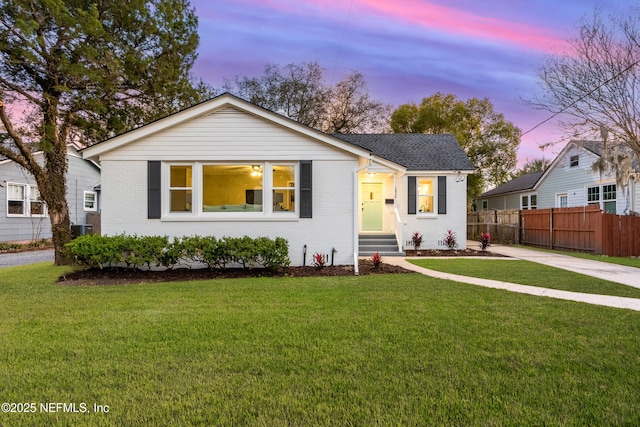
(461, 22)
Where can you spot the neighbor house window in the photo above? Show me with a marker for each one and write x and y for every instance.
(609, 198)
(529, 201)
(485, 205)
(180, 188)
(574, 161)
(24, 200)
(90, 201)
(36, 204)
(593, 196)
(562, 201)
(426, 195)
(603, 196)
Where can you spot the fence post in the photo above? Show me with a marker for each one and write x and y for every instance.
(551, 228)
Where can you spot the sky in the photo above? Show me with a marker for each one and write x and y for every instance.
(406, 49)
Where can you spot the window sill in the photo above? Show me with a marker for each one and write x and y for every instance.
(427, 216)
(234, 218)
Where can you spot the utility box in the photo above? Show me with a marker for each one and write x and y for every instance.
(80, 230)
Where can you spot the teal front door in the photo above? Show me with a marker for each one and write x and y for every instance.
(372, 204)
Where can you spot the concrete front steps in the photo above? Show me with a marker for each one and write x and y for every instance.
(384, 244)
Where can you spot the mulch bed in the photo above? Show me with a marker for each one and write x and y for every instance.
(450, 253)
(122, 276)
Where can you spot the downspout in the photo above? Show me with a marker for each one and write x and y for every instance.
(355, 216)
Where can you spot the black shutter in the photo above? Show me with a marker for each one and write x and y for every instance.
(411, 208)
(154, 190)
(442, 195)
(306, 206)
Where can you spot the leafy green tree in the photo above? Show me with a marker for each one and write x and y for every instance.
(489, 140)
(531, 166)
(82, 71)
(301, 92)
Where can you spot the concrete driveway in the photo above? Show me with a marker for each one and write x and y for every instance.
(613, 272)
(629, 276)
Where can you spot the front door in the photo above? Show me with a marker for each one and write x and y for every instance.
(372, 204)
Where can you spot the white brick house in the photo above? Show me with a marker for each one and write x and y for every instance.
(227, 167)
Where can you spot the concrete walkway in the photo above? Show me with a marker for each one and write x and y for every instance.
(625, 275)
(629, 276)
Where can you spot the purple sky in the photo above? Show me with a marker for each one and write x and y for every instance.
(407, 49)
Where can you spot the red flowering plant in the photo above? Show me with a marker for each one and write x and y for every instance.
(319, 260)
(416, 238)
(450, 240)
(485, 240)
(377, 260)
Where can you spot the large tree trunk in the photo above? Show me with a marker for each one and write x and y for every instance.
(61, 230)
(53, 189)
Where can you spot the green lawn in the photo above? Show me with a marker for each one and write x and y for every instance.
(528, 273)
(368, 350)
(628, 261)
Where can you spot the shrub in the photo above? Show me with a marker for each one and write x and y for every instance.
(416, 238)
(319, 260)
(450, 240)
(377, 260)
(134, 251)
(485, 240)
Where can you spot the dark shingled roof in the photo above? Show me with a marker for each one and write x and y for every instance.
(414, 151)
(521, 183)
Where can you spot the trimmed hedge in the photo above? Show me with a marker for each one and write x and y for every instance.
(137, 251)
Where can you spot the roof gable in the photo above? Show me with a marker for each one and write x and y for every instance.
(217, 104)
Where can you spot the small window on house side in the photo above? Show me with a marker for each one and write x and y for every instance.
(90, 201)
(426, 195)
(525, 202)
(574, 161)
(485, 205)
(180, 188)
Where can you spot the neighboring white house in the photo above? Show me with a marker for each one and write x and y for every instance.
(25, 217)
(227, 167)
(569, 181)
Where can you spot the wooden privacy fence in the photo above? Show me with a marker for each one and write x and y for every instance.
(584, 229)
(503, 225)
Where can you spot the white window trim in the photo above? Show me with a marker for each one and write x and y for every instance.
(601, 200)
(529, 205)
(434, 180)
(577, 157)
(26, 202)
(197, 214)
(95, 201)
(559, 196)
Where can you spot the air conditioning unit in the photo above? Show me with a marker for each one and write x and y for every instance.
(81, 230)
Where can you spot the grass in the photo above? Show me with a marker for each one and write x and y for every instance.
(369, 350)
(528, 273)
(628, 261)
